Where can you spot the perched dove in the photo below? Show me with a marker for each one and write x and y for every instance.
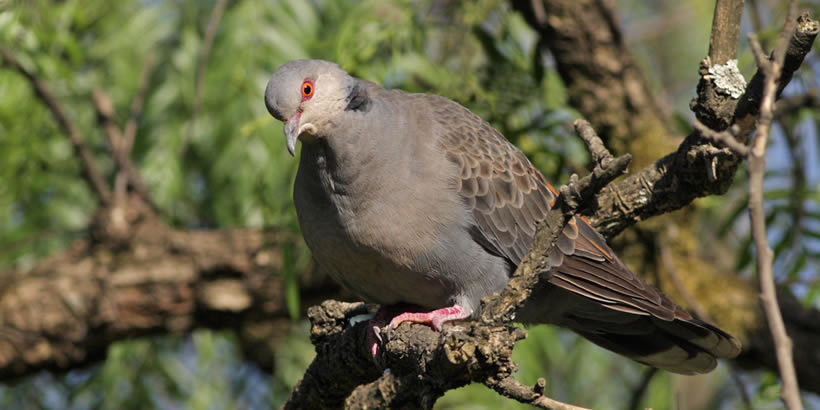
(413, 199)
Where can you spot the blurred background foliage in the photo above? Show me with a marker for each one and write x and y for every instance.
(227, 167)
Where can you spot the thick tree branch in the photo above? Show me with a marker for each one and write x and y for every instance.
(725, 30)
(604, 82)
(66, 310)
(441, 361)
(90, 173)
(720, 81)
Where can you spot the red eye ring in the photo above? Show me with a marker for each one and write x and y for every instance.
(307, 89)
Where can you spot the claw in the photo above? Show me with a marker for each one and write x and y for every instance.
(374, 337)
(374, 346)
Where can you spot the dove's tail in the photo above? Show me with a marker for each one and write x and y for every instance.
(685, 347)
(681, 344)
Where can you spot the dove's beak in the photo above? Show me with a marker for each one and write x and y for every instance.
(292, 133)
(295, 129)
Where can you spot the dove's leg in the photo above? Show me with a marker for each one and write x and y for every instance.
(381, 319)
(436, 318)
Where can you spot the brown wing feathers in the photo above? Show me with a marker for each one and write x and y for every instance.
(507, 196)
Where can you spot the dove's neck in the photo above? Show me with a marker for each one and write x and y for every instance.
(356, 159)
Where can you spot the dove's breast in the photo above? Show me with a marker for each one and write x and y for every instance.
(392, 231)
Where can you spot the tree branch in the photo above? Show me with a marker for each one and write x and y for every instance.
(534, 396)
(793, 103)
(757, 168)
(727, 138)
(725, 30)
(604, 82)
(66, 310)
(770, 74)
(130, 132)
(41, 90)
(720, 81)
(677, 179)
(117, 141)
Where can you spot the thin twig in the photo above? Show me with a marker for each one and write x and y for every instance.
(90, 172)
(210, 34)
(757, 21)
(136, 107)
(105, 115)
(734, 371)
(757, 167)
(727, 138)
(793, 103)
(514, 389)
(640, 390)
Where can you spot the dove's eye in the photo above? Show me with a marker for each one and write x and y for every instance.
(307, 90)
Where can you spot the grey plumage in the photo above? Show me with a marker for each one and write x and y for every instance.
(412, 198)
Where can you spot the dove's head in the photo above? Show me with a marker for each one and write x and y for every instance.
(310, 97)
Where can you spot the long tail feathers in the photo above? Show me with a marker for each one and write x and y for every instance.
(679, 346)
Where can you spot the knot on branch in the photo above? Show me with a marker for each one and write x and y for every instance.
(578, 194)
(118, 222)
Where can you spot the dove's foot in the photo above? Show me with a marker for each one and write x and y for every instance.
(380, 320)
(436, 318)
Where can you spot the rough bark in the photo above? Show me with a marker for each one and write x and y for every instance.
(65, 311)
(437, 361)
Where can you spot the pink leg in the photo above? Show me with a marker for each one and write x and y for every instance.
(436, 317)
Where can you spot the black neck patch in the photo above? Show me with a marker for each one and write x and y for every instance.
(358, 100)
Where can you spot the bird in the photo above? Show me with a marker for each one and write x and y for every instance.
(412, 200)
